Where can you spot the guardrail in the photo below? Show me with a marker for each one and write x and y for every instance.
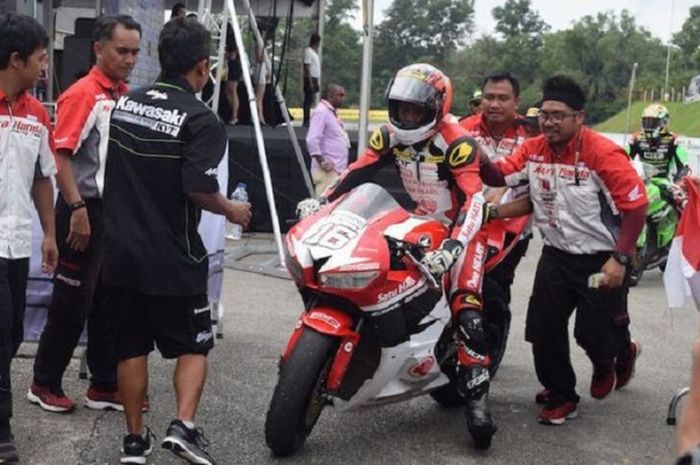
(348, 114)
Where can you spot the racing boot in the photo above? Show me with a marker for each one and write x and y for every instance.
(475, 385)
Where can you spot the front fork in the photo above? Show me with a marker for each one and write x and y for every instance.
(332, 322)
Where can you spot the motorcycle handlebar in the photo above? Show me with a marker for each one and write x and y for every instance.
(415, 253)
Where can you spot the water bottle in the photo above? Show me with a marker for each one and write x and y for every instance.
(240, 194)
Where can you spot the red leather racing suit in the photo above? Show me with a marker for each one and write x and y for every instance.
(441, 175)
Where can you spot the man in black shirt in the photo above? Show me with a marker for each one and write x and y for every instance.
(164, 151)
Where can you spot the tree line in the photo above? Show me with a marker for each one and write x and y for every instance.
(598, 50)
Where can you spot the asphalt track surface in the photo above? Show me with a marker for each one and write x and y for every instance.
(626, 428)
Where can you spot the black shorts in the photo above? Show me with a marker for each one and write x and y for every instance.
(235, 72)
(178, 325)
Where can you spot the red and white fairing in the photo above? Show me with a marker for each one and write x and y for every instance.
(343, 251)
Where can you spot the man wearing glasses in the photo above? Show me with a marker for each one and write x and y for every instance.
(590, 206)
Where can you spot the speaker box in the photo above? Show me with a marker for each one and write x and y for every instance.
(287, 179)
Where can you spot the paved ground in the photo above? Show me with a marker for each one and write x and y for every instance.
(627, 428)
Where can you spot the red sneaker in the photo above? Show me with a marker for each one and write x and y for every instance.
(624, 367)
(557, 412)
(542, 397)
(49, 400)
(603, 381)
(96, 399)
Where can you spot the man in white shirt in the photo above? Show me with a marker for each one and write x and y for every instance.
(312, 73)
(26, 166)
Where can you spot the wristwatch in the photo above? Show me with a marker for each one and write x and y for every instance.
(622, 258)
(76, 205)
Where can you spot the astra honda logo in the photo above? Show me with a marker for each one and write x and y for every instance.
(407, 283)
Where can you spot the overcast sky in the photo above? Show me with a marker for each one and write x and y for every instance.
(655, 15)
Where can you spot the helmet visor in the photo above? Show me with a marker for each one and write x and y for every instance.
(414, 90)
(650, 123)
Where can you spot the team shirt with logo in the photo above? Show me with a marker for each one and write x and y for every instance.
(82, 127)
(577, 204)
(496, 148)
(26, 153)
(164, 144)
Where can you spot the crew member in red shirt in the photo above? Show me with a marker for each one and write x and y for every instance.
(499, 133)
(590, 205)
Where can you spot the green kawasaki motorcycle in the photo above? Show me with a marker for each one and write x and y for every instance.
(655, 239)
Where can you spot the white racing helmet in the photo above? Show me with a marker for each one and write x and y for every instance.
(423, 85)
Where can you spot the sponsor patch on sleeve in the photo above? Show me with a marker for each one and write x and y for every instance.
(461, 154)
(379, 139)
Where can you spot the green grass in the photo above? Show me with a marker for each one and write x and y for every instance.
(685, 119)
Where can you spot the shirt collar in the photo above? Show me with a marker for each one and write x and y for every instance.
(20, 97)
(176, 81)
(573, 145)
(511, 131)
(98, 75)
(328, 104)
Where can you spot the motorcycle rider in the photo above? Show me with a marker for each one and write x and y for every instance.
(658, 146)
(438, 165)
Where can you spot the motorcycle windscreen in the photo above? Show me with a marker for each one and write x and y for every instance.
(367, 201)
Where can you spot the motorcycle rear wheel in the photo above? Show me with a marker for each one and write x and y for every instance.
(298, 399)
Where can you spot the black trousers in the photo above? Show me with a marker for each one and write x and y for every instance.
(504, 272)
(310, 91)
(13, 297)
(77, 295)
(601, 325)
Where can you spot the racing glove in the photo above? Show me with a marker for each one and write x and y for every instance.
(489, 212)
(679, 197)
(439, 261)
(308, 207)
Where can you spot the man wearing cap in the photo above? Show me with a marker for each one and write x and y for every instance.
(530, 122)
(590, 206)
(475, 103)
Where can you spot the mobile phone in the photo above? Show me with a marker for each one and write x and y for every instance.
(596, 280)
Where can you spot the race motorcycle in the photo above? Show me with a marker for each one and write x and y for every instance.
(376, 327)
(654, 242)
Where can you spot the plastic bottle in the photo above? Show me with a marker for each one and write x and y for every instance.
(240, 194)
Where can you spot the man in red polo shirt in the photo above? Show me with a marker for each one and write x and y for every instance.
(82, 125)
(26, 167)
(499, 133)
(590, 205)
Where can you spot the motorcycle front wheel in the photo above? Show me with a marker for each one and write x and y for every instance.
(299, 396)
